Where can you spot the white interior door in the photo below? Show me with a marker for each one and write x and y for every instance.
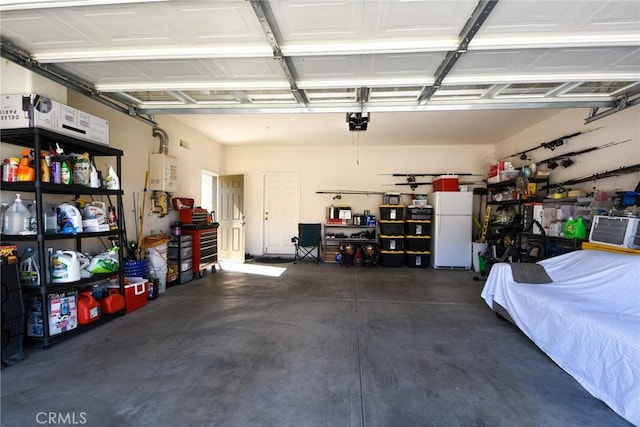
(281, 212)
(231, 218)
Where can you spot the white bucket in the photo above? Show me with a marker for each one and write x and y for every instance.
(157, 257)
(477, 248)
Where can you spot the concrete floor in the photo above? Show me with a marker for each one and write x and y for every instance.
(321, 345)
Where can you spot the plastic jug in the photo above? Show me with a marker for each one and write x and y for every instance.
(88, 308)
(96, 210)
(15, 217)
(69, 214)
(65, 267)
(113, 302)
(575, 228)
(112, 182)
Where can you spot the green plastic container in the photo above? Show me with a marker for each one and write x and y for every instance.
(575, 228)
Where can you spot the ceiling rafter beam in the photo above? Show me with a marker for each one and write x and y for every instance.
(362, 95)
(371, 107)
(628, 100)
(50, 72)
(181, 96)
(266, 20)
(470, 29)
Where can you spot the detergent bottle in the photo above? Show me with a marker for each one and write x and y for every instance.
(69, 219)
(112, 182)
(65, 267)
(25, 171)
(575, 228)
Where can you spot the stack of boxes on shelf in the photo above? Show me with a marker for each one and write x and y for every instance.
(405, 235)
(391, 234)
(180, 258)
(418, 235)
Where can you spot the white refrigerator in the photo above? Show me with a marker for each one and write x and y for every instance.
(451, 231)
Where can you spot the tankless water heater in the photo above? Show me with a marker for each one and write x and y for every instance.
(163, 173)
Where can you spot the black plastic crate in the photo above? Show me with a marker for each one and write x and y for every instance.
(392, 212)
(417, 227)
(417, 243)
(419, 213)
(418, 259)
(391, 228)
(391, 243)
(391, 258)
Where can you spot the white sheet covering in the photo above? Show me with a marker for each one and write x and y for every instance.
(587, 320)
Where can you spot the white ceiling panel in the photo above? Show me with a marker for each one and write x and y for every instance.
(304, 20)
(561, 19)
(368, 66)
(572, 63)
(310, 56)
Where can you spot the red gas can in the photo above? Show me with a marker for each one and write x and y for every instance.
(112, 303)
(88, 308)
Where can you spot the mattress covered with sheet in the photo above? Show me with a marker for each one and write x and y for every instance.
(587, 320)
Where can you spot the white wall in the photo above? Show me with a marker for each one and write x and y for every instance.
(16, 79)
(337, 168)
(616, 127)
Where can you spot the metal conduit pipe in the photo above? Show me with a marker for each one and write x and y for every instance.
(164, 140)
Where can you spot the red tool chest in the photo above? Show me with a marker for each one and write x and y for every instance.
(205, 246)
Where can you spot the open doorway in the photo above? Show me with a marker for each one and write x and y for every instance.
(209, 192)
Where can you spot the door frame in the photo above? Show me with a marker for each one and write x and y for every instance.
(264, 207)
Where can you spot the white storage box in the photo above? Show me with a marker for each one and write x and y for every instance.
(32, 110)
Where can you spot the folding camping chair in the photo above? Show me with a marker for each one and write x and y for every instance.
(309, 239)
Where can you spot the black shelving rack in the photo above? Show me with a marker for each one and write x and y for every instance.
(39, 139)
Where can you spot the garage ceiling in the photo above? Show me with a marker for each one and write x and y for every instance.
(519, 60)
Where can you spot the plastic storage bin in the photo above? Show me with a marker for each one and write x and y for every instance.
(391, 228)
(417, 243)
(419, 213)
(184, 252)
(420, 259)
(391, 258)
(136, 268)
(417, 227)
(391, 212)
(391, 243)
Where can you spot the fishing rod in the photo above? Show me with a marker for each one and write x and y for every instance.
(409, 175)
(338, 193)
(551, 145)
(600, 175)
(415, 184)
(552, 163)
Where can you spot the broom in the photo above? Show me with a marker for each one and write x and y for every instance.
(144, 200)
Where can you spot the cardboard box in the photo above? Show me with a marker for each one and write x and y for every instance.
(63, 314)
(32, 110)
